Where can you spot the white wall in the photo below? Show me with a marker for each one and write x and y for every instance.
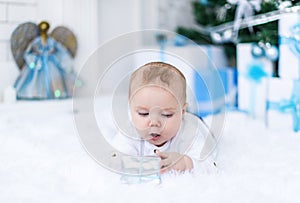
(81, 16)
(118, 17)
(172, 13)
(12, 13)
(94, 22)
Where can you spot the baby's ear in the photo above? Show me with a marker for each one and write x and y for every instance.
(184, 108)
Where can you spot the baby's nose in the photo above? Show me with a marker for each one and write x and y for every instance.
(155, 121)
(155, 118)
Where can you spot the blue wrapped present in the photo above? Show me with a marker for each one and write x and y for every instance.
(253, 73)
(229, 79)
(210, 97)
(283, 105)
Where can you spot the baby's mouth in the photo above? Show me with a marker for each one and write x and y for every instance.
(154, 136)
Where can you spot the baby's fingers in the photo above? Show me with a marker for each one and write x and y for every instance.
(162, 155)
(163, 170)
(165, 163)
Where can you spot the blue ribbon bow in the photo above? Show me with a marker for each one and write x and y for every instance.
(255, 73)
(291, 106)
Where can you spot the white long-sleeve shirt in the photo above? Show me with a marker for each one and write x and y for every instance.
(193, 139)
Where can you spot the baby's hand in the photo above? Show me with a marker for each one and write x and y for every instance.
(175, 161)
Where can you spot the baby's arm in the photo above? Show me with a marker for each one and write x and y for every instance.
(192, 160)
(203, 155)
(175, 161)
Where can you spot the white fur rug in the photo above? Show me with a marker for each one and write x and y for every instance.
(42, 160)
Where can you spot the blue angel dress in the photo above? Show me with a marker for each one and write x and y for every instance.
(47, 73)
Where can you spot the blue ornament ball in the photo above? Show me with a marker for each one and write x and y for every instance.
(257, 51)
(272, 53)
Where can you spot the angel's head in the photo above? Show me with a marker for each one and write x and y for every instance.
(44, 27)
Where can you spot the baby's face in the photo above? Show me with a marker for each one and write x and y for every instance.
(156, 114)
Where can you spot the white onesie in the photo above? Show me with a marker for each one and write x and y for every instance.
(193, 139)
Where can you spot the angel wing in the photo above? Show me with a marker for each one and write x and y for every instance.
(20, 39)
(66, 37)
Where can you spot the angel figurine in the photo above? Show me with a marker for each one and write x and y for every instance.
(45, 61)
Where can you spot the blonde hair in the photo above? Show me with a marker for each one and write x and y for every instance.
(159, 73)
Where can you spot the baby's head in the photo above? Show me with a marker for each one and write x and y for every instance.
(157, 99)
(159, 74)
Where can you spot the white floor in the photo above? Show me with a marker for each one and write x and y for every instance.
(42, 160)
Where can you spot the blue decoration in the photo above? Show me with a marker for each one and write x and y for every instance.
(47, 73)
(291, 106)
(257, 51)
(228, 77)
(204, 2)
(295, 32)
(32, 65)
(208, 95)
(272, 53)
(256, 72)
(293, 42)
(265, 50)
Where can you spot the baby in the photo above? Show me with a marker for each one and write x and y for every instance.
(157, 101)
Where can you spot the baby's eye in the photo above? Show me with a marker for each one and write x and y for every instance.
(167, 115)
(143, 114)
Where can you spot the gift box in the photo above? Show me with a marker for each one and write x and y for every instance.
(210, 98)
(253, 73)
(289, 46)
(283, 104)
(229, 79)
(214, 90)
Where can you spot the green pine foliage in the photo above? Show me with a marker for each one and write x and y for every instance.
(208, 15)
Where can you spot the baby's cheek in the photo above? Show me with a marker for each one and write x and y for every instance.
(135, 121)
(171, 129)
(173, 126)
(140, 124)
